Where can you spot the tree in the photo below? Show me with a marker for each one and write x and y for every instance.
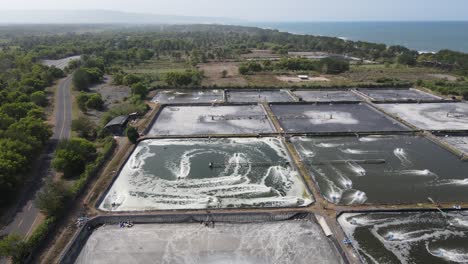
(9, 244)
(224, 74)
(39, 98)
(81, 80)
(140, 90)
(243, 69)
(51, 199)
(132, 134)
(95, 102)
(465, 95)
(71, 156)
(189, 77)
(131, 79)
(84, 127)
(81, 100)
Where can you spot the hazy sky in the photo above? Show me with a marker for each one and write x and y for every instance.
(270, 10)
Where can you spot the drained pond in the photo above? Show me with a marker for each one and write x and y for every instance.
(383, 169)
(285, 242)
(207, 173)
(195, 120)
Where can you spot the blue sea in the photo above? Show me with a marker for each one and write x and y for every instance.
(420, 36)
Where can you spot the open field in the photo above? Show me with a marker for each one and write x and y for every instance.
(212, 72)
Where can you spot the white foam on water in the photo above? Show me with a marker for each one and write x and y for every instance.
(334, 193)
(456, 256)
(357, 151)
(357, 197)
(226, 243)
(345, 182)
(399, 236)
(425, 172)
(137, 189)
(328, 145)
(373, 138)
(330, 117)
(455, 182)
(356, 168)
(401, 154)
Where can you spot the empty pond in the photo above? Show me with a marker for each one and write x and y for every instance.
(188, 96)
(383, 169)
(204, 173)
(432, 116)
(286, 242)
(327, 96)
(398, 95)
(459, 142)
(303, 118)
(193, 120)
(250, 96)
(421, 237)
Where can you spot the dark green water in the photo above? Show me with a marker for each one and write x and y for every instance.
(383, 170)
(426, 237)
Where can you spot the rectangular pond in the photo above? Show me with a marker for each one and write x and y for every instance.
(322, 118)
(327, 96)
(459, 142)
(379, 94)
(432, 116)
(285, 242)
(188, 96)
(197, 120)
(252, 96)
(408, 237)
(166, 174)
(383, 169)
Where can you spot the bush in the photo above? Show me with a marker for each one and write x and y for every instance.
(51, 199)
(464, 94)
(132, 134)
(84, 127)
(186, 78)
(95, 102)
(92, 101)
(81, 80)
(131, 79)
(71, 156)
(140, 90)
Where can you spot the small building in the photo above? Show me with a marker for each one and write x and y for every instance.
(117, 125)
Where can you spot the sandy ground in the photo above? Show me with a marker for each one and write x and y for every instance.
(213, 76)
(111, 94)
(295, 79)
(443, 76)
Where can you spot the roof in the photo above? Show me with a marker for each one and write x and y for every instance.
(120, 121)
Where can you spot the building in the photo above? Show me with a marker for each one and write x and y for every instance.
(117, 125)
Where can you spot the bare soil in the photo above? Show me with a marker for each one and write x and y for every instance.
(213, 74)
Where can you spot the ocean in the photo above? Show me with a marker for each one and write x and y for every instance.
(420, 36)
